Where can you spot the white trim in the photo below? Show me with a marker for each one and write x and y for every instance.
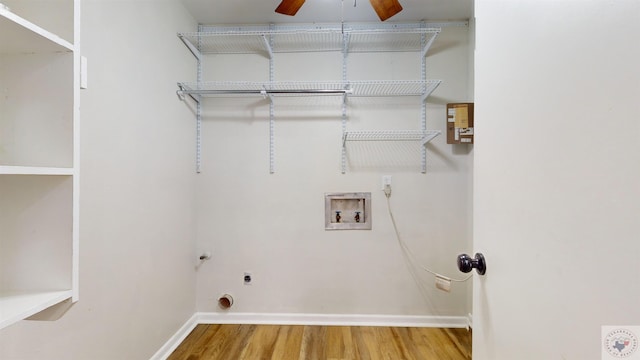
(176, 339)
(333, 319)
(306, 319)
(470, 319)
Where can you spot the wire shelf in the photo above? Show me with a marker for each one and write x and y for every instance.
(251, 88)
(309, 39)
(379, 40)
(313, 88)
(226, 43)
(393, 87)
(390, 135)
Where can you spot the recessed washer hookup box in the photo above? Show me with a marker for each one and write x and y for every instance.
(347, 211)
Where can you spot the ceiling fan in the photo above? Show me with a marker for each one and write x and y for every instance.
(384, 8)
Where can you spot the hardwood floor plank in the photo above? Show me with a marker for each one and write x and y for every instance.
(230, 340)
(288, 343)
(420, 341)
(388, 345)
(195, 343)
(261, 344)
(339, 343)
(274, 342)
(189, 344)
(407, 346)
(222, 338)
(313, 343)
(461, 338)
(366, 343)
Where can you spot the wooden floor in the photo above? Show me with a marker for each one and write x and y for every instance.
(257, 342)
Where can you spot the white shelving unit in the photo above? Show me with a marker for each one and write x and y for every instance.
(346, 38)
(39, 138)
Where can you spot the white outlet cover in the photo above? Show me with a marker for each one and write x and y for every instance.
(386, 180)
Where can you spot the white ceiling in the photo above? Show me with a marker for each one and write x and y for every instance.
(323, 11)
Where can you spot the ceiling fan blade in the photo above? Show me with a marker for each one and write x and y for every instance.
(289, 7)
(386, 8)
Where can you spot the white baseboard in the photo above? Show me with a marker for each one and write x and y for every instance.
(307, 319)
(176, 339)
(332, 319)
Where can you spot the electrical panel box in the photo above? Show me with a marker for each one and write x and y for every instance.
(347, 211)
(460, 123)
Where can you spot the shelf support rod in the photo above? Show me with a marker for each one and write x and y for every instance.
(272, 121)
(423, 71)
(345, 54)
(267, 45)
(426, 46)
(429, 137)
(265, 92)
(183, 91)
(194, 50)
(199, 106)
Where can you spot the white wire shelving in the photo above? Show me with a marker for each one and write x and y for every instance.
(264, 40)
(267, 40)
(390, 135)
(374, 88)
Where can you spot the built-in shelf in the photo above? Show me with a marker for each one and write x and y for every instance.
(39, 185)
(34, 170)
(18, 305)
(18, 36)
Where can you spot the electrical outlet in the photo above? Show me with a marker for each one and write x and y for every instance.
(386, 180)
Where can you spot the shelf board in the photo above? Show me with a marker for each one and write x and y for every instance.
(34, 170)
(18, 35)
(19, 305)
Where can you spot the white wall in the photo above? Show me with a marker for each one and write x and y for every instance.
(272, 225)
(137, 282)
